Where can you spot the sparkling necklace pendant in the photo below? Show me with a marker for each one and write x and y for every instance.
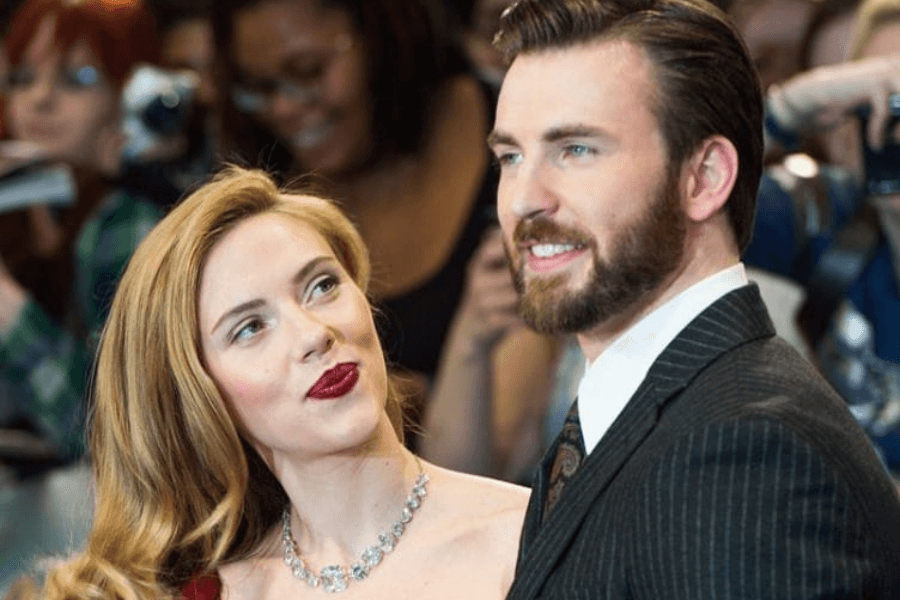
(333, 579)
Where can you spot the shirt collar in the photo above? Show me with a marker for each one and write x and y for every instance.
(615, 375)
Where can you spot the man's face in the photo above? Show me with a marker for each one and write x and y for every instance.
(591, 215)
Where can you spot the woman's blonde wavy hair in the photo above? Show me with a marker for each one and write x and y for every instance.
(179, 492)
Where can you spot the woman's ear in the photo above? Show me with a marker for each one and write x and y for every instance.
(709, 178)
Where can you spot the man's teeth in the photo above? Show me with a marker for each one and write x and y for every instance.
(548, 250)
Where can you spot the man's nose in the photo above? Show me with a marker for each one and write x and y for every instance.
(528, 192)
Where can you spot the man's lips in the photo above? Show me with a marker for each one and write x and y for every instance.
(546, 256)
(335, 382)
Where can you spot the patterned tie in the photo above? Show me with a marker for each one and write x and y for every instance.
(569, 456)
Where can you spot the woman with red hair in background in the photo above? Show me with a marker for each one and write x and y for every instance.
(68, 62)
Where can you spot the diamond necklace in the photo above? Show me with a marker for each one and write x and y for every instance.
(336, 578)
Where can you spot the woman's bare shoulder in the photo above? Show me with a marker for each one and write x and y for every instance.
(477, 498)
(475, 527)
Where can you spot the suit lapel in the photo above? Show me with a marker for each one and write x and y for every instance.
(535, 511)
(736, 318)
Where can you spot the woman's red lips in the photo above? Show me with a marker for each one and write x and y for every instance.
(335, 382)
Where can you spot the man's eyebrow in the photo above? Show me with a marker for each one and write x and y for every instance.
(554, 134)
(572, 131)
(498, 137)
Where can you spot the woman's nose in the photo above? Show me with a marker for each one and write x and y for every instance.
(288, 99)
(314, 338)
(42, 90)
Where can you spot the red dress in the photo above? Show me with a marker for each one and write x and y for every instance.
(204, 587)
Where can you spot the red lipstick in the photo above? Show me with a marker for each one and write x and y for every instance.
(335, 382)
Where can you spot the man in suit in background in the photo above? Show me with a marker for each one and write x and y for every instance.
(703, 458)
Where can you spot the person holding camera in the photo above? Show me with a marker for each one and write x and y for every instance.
(68, 63)
(837, 230)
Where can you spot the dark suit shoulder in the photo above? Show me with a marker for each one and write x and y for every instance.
(767, 379)
(755, 511)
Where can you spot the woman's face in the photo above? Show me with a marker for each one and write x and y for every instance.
(772, 33)
(289, 339)
(64, 102)
(305, 70)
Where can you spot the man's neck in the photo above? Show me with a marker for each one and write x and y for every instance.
(595, 341)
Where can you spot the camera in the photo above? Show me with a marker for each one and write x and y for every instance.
(882, 167)
(156, 105)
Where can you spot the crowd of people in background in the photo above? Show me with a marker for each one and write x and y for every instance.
(128, 106)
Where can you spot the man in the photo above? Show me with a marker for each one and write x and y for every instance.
(718, 463)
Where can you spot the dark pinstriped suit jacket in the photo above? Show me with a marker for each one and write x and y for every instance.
(734, 471)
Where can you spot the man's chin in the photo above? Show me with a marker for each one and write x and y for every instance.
(554, 309)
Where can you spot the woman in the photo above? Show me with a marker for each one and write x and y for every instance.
(244, 419)
(68, 62)
(375, 98)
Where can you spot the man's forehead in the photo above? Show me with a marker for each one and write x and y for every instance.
(585, 54)
(574, 85)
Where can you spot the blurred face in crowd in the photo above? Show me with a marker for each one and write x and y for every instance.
(64, 102)
(772, 31)
(301, 70)
(832, 41)
(590, 212)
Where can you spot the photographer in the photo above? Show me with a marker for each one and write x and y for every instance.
(68, 63)
(837, 230)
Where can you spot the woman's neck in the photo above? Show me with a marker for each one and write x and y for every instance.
(339, 504)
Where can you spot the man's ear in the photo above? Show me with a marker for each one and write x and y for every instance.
(709, 177)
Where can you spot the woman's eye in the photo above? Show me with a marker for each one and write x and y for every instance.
(323, 286)
(247, 330)
(81, 77)
(20, 77)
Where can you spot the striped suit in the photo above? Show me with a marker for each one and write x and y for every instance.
(734, 471)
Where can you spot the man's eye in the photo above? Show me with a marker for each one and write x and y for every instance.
(508, 158)
(577, 150)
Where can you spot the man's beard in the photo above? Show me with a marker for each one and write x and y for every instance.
(643, 254)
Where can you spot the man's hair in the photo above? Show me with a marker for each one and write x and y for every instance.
(706, 82)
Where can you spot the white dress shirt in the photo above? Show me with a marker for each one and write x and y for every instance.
(612, 379)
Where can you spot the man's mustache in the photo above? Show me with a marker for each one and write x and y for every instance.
(542, 230)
